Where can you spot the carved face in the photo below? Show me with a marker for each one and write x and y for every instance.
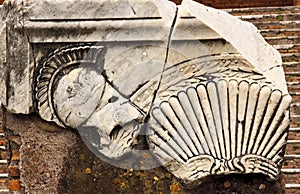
(78, 95)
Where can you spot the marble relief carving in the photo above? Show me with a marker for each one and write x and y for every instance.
(207, 100)
(68, 84)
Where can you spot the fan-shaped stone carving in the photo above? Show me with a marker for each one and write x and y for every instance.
(220, 127)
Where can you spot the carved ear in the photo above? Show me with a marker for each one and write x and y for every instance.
(68, 83)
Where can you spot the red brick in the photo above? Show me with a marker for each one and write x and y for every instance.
(3, 168)
(294, 125)
(292, 178)
(3, 142)
(3, 184)
(291, 163)
(294, 135)
(293, 149)
(296, 121)
(294, 88)
(3, 155)
(13, 171)
(15, 155)
(236, 4)
(15, 139)
(291, 191)
(295, 110)
(292, 79)
(14, 185)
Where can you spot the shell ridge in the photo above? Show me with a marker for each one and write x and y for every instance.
(280, 137)
(204, 122)
(224, 110)
(242, 107)
(261, 110)
(233, 114)
(277, 145)
(278, 154)
(165, 123)
(165, 150)
(195, 105)
(277, 127)
(191, 117)
(162, 145)
(250, 125)
(216, 113)
(250, 114)
(205, 103)
(176, 108)
(172, 114)
(187, 115)
(167, 111)
(274, 102)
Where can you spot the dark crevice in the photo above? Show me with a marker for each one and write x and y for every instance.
(164, 66)
(34, 68)
(114, 133)
(94, 19)
(113, 99)
(138, 88)
(103, 73)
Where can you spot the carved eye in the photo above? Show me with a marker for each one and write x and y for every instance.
(69, 84)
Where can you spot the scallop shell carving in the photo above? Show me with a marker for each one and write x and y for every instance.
(221, 127)
(62, 81)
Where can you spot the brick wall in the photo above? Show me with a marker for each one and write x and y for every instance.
(240, 3)
(248, 3)
(3, 157)
(10, 143)
(222, 4)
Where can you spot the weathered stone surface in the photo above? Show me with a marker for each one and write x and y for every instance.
(16, 62)
(196, 87)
